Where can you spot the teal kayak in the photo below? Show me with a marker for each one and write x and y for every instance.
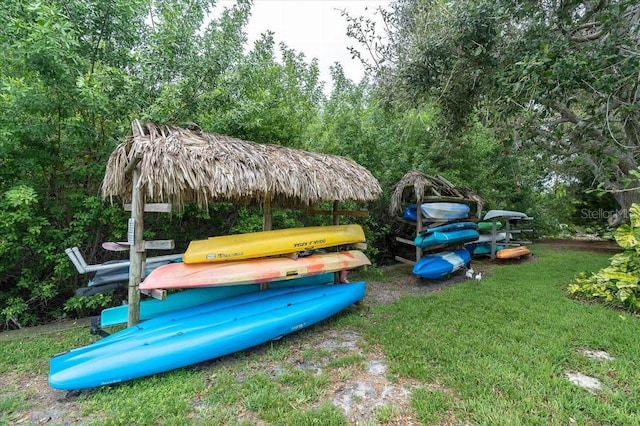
(450, 237)
(192, 297)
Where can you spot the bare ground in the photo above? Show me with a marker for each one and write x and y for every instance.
(362, 392)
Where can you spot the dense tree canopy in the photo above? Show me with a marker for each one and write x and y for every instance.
(557, 78)
(73, 76)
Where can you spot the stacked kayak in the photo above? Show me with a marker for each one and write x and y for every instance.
(439, 265)
(198, 334)
(111, 279)
(271, 243)
(482, 249)
(251, 271)
(513, 252)
(231, 293)
(457, 232)
(492, 241)
(152, 308)
(449, 229)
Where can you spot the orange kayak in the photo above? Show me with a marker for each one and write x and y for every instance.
(513, 252)
(251, 271)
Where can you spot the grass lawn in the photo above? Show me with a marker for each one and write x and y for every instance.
(489, 352)
(496, 352)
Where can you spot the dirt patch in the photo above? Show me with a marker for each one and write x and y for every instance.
(583, 244)
(45, 405)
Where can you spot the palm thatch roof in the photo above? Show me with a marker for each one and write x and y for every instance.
(415, 186)
(182, 166)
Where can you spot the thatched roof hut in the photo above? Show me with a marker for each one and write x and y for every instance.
(416, 186)
(182, 166)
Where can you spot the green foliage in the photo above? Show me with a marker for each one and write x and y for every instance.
(619, 283)
(83, 306)
(23, 256)
(542, 76)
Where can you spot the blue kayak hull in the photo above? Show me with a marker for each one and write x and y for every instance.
(192, 297)
(436, 266)
(454, 226)
(198, 334)
(448, 237)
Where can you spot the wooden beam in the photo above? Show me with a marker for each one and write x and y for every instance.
(155, 293)
(403, 260)
(133, 163)
(152, 208)
(159, 245)
(148, 245)
(359, 246)
(404, 240)
(355, 213)
(447, 199)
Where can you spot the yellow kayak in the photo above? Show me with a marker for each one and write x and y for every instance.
(271, 243)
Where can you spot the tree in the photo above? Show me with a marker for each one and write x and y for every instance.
(73, 74)
(264, 99)
(559, 77)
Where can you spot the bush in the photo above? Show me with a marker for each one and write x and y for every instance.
(617, 284)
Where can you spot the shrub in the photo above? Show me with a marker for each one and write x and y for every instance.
(618, 283)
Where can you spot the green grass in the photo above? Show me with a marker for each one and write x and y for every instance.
(489, 352)
(501, 347)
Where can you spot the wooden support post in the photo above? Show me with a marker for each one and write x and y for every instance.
(137, 254)
(336, 216)
(494, 233)
(418, 227)
(267, 218)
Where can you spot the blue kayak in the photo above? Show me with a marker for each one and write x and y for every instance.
(196, 296)
(454, 226)
(439, 265)
(199, 333)
(449, 237)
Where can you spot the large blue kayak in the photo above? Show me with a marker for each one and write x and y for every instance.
(196, 296)
(198, 334)
(447, 237)
(439, 265)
